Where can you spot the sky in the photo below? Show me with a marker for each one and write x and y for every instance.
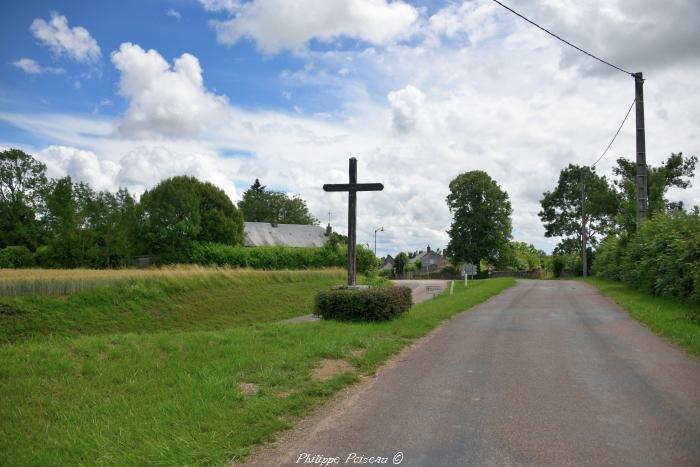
(127, 93)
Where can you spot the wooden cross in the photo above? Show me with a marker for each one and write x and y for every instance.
(352, 188)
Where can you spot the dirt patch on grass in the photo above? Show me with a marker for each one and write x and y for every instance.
(248, 389)
(329, 367)
(357, 353)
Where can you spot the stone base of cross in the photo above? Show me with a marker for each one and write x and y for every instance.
(352, 188)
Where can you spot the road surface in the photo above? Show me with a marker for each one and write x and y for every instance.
(546, 373)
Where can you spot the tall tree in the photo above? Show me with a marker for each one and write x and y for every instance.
(481, 225)
(182, 210)
(63, 225)
(262, 205)
(22, 185)
(676, 172)
(580, 208)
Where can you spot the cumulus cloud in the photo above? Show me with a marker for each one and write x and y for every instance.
(31, 67)
(61, 39)
(276, 25)
(164, 99)
(231, 6)
(488, 95)
(80, 165)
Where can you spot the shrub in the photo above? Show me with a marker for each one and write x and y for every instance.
(378, 304)
(278, 257)
(16, 257)
(662, 258)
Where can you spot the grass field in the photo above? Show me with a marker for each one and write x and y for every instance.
(147, 301)
(175, 397)
(667, 317)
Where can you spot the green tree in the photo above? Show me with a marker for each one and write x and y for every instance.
(580, 208)
(262, 205)
(63, 225)
(171, 218)
(676, 172)
(182, 210)
(222, 221)
(520, 256)
(22, 185)
(400, 263)
(481, 225)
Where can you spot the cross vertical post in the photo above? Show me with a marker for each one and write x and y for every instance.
(352, 227)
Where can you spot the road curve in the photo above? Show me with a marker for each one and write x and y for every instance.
(546, 373)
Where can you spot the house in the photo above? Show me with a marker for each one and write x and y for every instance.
(430, 261)
(387, 264)
(291, 235)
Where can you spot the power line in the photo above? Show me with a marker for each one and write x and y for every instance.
(562, 39)
(616, 133)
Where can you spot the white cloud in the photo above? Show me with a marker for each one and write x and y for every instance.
(31, 67)
(414, 114)
(79, 165)
(75, 42)
(221, 5)
(276, 25)
(174, 13)
(164, 99)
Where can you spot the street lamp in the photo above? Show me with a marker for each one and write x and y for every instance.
(380, 229)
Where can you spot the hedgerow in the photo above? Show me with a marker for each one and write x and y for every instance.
(662, 258)
(207, 254)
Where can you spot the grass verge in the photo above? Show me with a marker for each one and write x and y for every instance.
(179, 299)
(177, 398)
(667, 317)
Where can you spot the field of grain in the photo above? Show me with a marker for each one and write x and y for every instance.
(34, 282)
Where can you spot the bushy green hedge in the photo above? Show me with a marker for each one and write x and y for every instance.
(16, 257)
(375, 304)
(279, 257)
(662, 258)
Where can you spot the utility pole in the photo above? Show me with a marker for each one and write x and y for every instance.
(380, 229)
(641, 150)
(584, 232)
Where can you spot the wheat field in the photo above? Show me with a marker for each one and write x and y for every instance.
(14, 282)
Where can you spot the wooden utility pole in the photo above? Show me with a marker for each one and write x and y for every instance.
(642, 208)
(584, 232)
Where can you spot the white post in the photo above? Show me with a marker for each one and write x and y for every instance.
(452, 287)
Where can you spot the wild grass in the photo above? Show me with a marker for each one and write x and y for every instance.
(674, 319)
(173, 398)
(168, 299)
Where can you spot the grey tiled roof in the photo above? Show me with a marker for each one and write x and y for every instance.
(263, 234)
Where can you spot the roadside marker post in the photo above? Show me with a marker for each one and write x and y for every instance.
(452, 287)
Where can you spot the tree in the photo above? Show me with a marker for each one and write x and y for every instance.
(22, 185)
(262, 205)
(182, 210)
(400, 263)
(481, 225)
(675, 172)
(580, 208)
(62, 222)
(520, 256)
(171, 218)
(222, 221)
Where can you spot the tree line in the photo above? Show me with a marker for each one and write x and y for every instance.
(583, 208)
(62, 223)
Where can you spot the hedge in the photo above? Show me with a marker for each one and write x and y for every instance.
(16, 257)
(662, 258)
(279, 257)
(373, 304)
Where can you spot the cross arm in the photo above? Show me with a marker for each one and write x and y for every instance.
(355, 187)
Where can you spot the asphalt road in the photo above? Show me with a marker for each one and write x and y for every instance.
(547, 373)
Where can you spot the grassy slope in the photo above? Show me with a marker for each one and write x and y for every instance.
(173, 399)
(664, 316)
(201, 301)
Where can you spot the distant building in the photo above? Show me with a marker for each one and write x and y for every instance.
(292, 235)
(387, 264)
(430, 261)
